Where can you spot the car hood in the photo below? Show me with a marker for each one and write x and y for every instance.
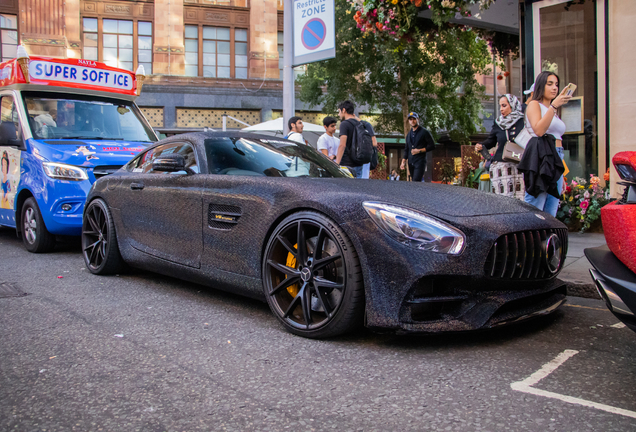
(87, 153)
(435, 199)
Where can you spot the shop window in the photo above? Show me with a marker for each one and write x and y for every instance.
(8, 36)
(567, 45)
(122, 46)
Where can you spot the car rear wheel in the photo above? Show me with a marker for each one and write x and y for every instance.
(35, 236)
(312, 277)
(99, 241)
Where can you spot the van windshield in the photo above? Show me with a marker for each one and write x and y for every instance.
(59, 116)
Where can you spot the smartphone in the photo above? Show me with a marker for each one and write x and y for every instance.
(570, 89)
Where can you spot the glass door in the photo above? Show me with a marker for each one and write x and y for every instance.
(565, 41)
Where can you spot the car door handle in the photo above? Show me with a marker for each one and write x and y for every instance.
(136, 186)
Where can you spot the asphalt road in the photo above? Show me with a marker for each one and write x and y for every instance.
(141, 351)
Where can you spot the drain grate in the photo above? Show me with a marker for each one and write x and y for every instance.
(8, 289)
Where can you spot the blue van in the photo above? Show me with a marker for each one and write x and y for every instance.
(63, 124)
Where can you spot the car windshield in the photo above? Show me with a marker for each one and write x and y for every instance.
(85, 117)
(267, 157)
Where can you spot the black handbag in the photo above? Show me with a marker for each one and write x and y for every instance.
(374, 158)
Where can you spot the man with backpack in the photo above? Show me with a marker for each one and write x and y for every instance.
(356, 143)
(419, 142)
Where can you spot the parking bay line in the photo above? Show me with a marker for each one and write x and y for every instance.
(525, 386)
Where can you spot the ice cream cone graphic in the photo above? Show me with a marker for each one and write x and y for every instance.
(23, 61)
(140, 76)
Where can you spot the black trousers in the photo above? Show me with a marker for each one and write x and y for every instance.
(417, 170)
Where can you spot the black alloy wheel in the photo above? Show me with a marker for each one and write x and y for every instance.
(99, 241)
(312, 277)
(35, 236)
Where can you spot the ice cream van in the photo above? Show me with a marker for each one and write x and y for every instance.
(63, 124)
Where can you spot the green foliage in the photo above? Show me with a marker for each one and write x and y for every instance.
(381, 161)
(430, 70)
(446, 170)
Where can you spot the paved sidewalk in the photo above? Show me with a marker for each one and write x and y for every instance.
(576, 272)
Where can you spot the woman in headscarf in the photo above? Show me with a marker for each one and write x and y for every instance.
(504, 178)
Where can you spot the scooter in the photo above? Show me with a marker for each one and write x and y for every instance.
(614, 271)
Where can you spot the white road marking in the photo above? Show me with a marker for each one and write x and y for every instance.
(619, 325)
(525, 386)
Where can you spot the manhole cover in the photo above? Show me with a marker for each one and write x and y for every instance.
(8, 289)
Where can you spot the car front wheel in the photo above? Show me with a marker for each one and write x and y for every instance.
(312, 277)
(99, 241)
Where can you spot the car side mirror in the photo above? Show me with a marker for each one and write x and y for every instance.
(169, 163)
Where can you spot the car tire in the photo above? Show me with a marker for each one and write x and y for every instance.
(99, 240)
(316, 291)
(35, 236)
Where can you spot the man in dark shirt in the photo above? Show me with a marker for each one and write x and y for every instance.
(347, 125)
(419, 142)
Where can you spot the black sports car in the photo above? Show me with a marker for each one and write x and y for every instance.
(274, 220)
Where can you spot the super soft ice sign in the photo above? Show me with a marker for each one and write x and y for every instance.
(314, 31)
(69, 73)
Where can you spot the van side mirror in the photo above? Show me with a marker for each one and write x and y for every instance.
(8, 134)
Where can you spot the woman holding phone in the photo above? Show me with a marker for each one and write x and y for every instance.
(542, 164)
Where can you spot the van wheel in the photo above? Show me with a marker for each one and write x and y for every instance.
(35, 236)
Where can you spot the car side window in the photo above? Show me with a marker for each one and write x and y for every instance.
(143, 162)
(10, 131)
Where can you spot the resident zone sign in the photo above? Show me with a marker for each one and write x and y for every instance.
(314, 31)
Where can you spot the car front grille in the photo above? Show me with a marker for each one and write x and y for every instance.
(104, 170)
(523, 255)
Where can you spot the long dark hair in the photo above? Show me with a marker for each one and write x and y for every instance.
(5, 157)
(539, 85)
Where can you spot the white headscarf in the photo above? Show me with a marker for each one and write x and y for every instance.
(515, 113)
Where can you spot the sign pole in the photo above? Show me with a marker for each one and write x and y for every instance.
(288, 73)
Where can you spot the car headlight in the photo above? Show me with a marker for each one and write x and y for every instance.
(60, 171)
(415, 229)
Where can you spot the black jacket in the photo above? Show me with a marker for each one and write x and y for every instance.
(422, 139)
(497, 136)
(541, 166)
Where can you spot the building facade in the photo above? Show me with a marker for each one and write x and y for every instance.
(587, 43)
(202, 58)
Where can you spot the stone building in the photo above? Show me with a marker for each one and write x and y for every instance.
(203, 58)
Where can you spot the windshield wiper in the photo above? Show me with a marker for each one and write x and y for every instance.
(92, 138)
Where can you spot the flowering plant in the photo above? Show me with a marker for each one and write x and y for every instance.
(581, 203)
(396, 18)
(446, 170)
(469, 172)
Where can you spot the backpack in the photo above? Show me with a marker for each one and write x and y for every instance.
(361, 150)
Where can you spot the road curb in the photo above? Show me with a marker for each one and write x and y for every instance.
(586, 290)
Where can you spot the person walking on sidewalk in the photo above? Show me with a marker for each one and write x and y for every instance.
(504, 177)
(419, 142)
(366, 168)
(347, 125)
(542, 161)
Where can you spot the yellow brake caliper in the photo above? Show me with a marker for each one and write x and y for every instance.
(291, 263)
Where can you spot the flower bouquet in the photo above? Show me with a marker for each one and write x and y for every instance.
(581, 202)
